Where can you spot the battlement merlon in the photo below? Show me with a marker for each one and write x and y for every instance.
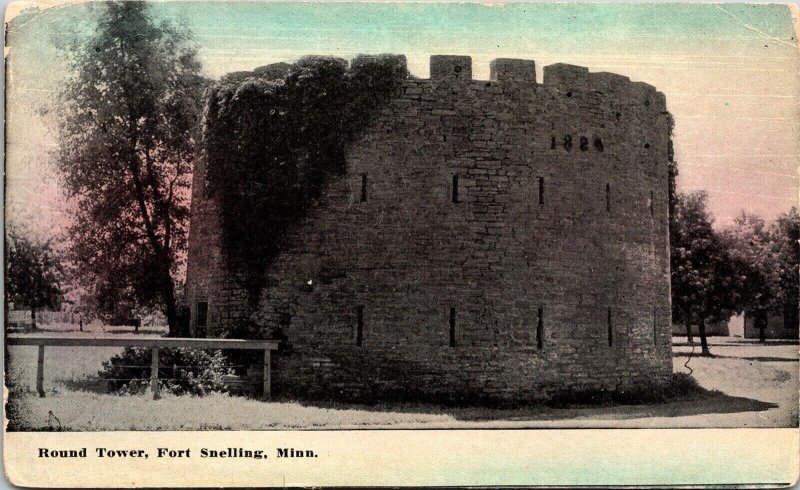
(451, 68)
(566, 77)
(513, 70)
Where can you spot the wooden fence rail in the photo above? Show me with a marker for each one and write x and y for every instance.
(153, 343)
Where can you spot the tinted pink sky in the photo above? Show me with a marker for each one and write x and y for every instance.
(731, 75)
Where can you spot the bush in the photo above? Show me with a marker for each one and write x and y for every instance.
(181, 371)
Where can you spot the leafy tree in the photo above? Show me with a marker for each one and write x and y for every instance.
(786, 241)
(704, 281)
(33, 273)
(751, 253)
(128, 126)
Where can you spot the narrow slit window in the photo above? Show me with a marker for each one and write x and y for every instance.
(552, 142)
(202, 314)
(650, 203)
(608, 197)
(455, 188)
(568, 142)
(363, 187)
(452, 327)
(610, 329)
(360, 326)
(541, 190)
(584, 143)
(540, 329)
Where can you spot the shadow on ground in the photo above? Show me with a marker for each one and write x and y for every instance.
(698, 403)
(758, 359)
(712, 402)
(88, 385)
(728, 343)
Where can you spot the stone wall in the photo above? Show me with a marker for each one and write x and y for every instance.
(207, 278)
(496, 238)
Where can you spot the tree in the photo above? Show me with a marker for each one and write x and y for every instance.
(128, 130)
(704, 281)
(33, 273)
(752, 254)
(785, 235)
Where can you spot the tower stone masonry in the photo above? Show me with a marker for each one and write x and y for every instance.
(491, 238)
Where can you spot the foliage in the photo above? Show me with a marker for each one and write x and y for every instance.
(672, 169)
(749, 265)
(34, 272)
(128, 131)
(752, 254)
(182, 371)
(273, 137)
(705, 284)
(786, 241)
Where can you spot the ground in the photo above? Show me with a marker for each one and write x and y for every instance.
(754, 385)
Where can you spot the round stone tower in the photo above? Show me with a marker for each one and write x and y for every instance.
(492, 238)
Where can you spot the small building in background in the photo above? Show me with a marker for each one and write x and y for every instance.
(715, 329)
(777, 324)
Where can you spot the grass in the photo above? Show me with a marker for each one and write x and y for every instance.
(81, 411)
(744, 385)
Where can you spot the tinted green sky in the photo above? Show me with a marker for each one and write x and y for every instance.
(730, 73)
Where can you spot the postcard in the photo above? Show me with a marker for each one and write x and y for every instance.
(401, 244)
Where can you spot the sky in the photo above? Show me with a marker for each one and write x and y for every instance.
(730, 73)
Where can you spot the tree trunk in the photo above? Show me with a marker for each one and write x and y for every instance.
(33, 317)
(168, 297)
(703, 340)
(168, 294)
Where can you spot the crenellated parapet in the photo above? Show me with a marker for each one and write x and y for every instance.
(457, 70)
(563, 77)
